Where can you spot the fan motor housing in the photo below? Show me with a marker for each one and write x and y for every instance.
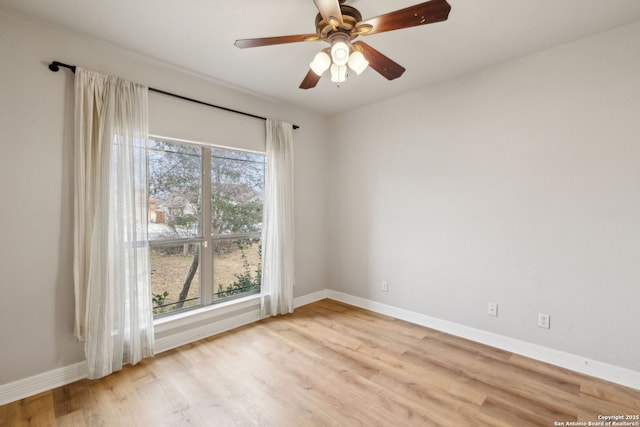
(350, 17)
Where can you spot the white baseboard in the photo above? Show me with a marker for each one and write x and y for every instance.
(33, 385)
(30, 386)
(309, 298)
(562, 359)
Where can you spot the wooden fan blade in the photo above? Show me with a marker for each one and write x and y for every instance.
(268, 41)
(310, 80)
(388, 68)
(420, 14)
(329, 9)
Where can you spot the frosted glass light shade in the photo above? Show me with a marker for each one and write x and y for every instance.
(338, 73)
(320, 63)
(340, 53)
(357, 62)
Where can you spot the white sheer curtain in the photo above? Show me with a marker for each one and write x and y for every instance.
(111, 252)
(278, 273)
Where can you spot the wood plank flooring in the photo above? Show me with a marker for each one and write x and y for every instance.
(330, 364)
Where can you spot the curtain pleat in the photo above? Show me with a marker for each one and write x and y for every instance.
(278, 273)
(111, 251)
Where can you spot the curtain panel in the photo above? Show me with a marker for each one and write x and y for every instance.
(111, 251)
(278, 271)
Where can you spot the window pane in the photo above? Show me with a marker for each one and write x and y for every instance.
(175, 277)
(174, 190)
(237, 189)
(236, 267)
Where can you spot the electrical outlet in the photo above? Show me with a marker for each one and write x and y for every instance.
(544, 320)
(384, 286)
(492, 309)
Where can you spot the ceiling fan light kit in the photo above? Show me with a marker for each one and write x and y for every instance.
(339, 48)
(338, 73)
(321, 62)
(357, 62)
(339, 25)
(342, 52)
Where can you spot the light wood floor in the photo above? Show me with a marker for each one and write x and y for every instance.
(329, 364)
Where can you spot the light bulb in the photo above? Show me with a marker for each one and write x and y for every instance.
(340, 53)
(338, 73)
(320, 63)
(357, 62)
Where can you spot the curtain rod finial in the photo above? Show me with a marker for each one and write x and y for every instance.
(55, 66)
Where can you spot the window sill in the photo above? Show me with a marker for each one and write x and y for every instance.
(191, 317)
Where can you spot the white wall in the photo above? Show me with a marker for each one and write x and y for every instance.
(36, 120)
(518, 184)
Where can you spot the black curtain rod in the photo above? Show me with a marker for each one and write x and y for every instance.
(55, 67)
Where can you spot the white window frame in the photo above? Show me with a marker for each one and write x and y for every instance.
(207, 241)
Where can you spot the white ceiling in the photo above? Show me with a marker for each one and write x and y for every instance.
(198, 35)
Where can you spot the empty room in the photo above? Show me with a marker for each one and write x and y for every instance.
(320, 213)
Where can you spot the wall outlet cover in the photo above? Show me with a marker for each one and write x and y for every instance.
(492, 309)
(544, 320)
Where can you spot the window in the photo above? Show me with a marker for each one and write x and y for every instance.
(203, 252)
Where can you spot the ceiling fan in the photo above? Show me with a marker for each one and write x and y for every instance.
(339, 25)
